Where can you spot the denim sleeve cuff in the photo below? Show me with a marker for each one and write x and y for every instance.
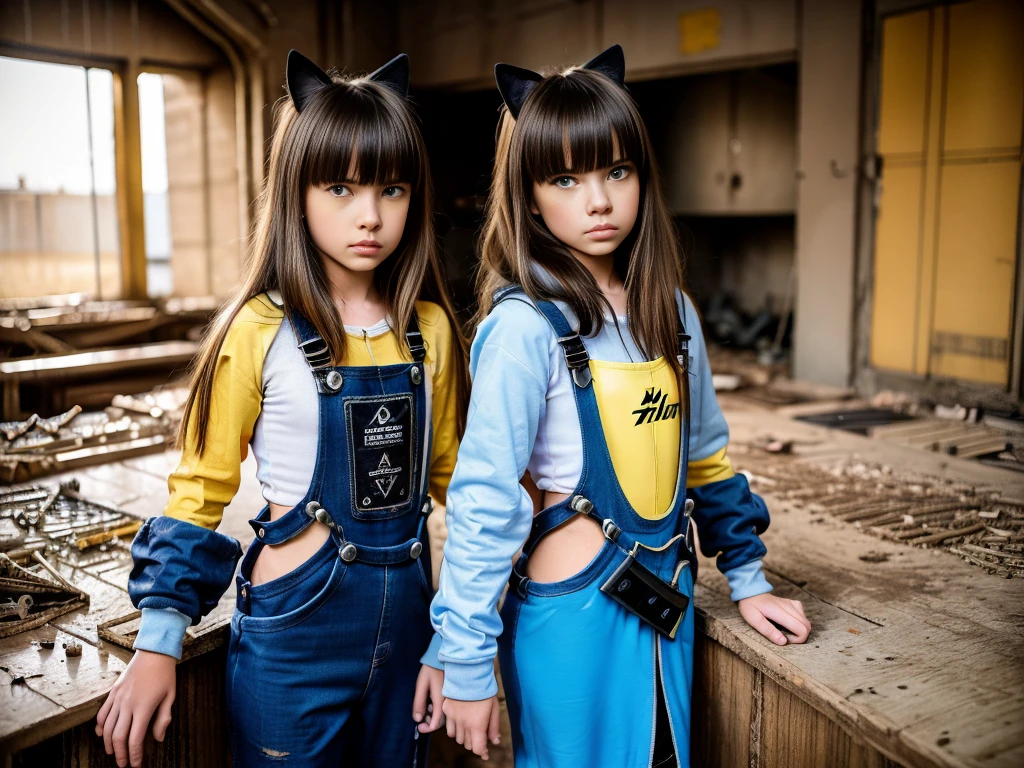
(162, 631)
(747, 580)
(469, 682)
(430, 656)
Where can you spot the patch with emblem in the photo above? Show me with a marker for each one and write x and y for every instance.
(381, 431)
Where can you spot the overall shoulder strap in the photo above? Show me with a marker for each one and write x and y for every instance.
(312, 346)
(575, 351)
(414, 339)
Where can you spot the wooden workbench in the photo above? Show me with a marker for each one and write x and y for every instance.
(918, 660)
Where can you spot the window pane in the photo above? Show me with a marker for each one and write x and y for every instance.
(58, 211)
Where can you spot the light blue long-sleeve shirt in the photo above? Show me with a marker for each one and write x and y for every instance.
(489, 513)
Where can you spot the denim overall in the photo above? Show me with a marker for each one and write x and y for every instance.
(586, 681)
(322, 662)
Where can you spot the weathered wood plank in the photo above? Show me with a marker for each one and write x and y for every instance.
(899, 646)
(76, 685)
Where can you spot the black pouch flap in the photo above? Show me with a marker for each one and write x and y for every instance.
(642, 593)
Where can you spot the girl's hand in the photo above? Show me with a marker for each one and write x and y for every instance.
(473, 723)
(428, 686)
(760, 611)
(146, 686)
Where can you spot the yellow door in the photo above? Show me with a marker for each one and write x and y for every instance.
(951, 120)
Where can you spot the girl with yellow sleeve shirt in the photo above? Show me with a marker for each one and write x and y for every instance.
(336, 361)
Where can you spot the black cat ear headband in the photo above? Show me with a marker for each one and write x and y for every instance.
(305, 78)
(514, 83)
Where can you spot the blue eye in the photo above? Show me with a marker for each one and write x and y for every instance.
(393, 192)
(339, 190)
(565, 182)
(618, 174)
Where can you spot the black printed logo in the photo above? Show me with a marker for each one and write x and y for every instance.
(384, 475)
(655, 407)
(380, 441)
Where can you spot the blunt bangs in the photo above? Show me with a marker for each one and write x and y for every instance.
(578, 122)
(360, 122)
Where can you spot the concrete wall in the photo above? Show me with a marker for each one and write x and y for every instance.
(146, 29)
(829, 129)
(457, 42)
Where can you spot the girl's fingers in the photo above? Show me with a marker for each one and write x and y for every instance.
(788, 607)
(137, 736)
(120, 736)
(435, 701)
(494, 725)
(449, 722)
(477, 743)
(765, 627)
(795, 625)
(101, 716)
(110, 722)
(163, 718)
(419, 699)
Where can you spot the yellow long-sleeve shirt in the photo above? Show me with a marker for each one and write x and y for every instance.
(201, 486)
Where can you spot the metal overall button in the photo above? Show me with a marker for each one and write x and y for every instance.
(415, 374)
(415, 550)
(260, 533)
(610, 529)
(348, 552)
(334, 381)
(244, 592)
(582, 505)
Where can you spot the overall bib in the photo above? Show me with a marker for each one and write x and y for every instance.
(322, 662)
(588, 682)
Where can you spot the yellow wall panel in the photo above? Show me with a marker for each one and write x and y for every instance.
(929, 210)
(985, 70)
(950, 126)
(904, 76)
(897, 254)
(976, 266)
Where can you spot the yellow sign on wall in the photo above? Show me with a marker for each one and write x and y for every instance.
(700, 31)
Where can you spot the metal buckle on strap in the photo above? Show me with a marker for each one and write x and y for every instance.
(417, 348)
(518, 582)
(316, 352)
(577, 358)
(684, 351)
(611, 530)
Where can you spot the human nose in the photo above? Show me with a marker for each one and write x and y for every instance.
(369, 213)
(598, 201)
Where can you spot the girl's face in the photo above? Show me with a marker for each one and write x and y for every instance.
(591, 213)
(357, 226)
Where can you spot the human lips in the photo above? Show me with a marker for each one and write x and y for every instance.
(367, 247)
(602, 231)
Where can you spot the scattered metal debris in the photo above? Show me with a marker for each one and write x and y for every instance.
(874, 557)
(28, 599)
(131, 425)
(981, 526)
(59, 520)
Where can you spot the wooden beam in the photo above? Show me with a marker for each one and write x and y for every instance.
(128, 161)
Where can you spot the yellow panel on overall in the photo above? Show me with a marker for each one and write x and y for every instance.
(948, 220)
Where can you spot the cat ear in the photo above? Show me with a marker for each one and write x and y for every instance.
(304, 78)
(611, 62)
(394, 74)
(514, 83)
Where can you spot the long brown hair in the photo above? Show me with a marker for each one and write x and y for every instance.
(577, 121)
(355, 119)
